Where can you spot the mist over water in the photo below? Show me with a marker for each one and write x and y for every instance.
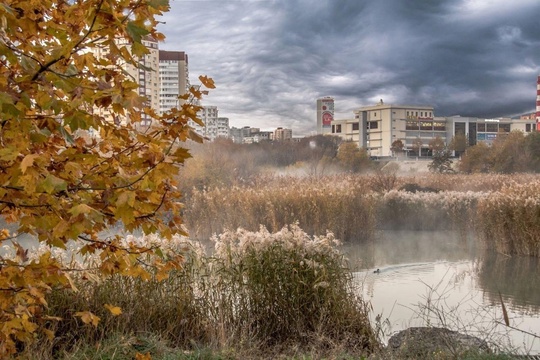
(439, 278)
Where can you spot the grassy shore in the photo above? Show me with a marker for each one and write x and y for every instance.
(257, 293)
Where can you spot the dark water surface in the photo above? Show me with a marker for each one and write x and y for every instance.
(441, 279)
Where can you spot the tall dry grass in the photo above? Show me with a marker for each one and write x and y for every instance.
(287, 288)
(340, 204)
(502, 209)
(256, 291)
(508, 220)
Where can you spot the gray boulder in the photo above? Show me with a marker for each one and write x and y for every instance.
(432, 342)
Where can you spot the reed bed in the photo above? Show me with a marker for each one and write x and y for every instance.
(502, 209)
(509, 219)
(256, 292)
(318, 206)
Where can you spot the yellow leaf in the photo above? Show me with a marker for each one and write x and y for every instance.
(4, 234)
(88, 318)
(114, 310)
(27, 162)
(81, 209)
(48, 333)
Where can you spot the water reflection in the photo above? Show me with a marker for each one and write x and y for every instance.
(517, 278)
(439, 278)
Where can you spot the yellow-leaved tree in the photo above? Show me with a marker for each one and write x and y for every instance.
(74, 158)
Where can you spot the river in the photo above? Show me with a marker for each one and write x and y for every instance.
(441, 279)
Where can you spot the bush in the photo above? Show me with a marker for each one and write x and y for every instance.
(287, 287)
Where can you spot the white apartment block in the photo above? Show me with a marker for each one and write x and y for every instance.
(213, 128)
(174, 79)
(281, 134)
(223, 127)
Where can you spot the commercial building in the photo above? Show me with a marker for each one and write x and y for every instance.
(382, 124)
(377, 127)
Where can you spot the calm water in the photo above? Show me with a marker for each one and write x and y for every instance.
(438, 278)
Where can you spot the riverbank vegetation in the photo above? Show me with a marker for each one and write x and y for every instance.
(254, 294)
(503, 210)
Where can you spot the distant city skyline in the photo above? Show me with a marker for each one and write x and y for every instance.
(272, 59)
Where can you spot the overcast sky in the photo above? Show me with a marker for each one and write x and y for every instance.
(271, 59)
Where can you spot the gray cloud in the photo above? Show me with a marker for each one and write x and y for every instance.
(271, 59)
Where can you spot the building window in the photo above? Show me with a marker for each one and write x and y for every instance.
(426, 125)
(338, 128)
(527, 127)
(490, 127)
(459, 128)
(372, 125)
(356, 126)
(412, 125)
(333, 129)
(481, 127)
(504, 127)
(439, 126)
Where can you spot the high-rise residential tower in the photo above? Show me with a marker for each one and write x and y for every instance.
(174, 79)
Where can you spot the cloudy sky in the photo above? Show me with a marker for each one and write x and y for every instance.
(271, 59)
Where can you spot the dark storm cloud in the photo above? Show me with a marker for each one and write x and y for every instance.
(272, 59)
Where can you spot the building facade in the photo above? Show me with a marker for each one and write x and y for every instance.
(223, 130)
(538, 103)
(209, 117)
(325, 115)
(282, 134)
(173, 78)
(347, 129)
(382, 124)
(377, 127)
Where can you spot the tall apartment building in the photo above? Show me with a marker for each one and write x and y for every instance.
(223, 127)
(325, 114)
(147, 77)
(174, 79)
(214, 126)
(281, 134)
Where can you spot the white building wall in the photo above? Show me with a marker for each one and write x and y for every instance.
(174, 79)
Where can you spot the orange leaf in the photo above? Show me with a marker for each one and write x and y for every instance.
(208, 82)
(140, 356)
